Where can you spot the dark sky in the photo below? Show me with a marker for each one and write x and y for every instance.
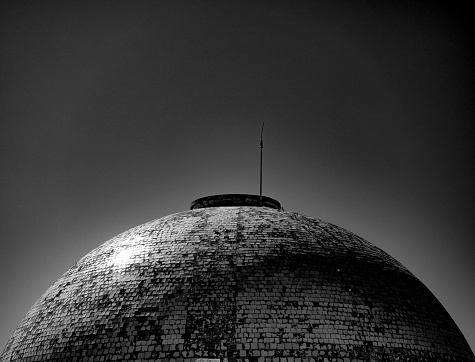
(116, 113)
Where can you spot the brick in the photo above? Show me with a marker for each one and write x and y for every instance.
(247, 282)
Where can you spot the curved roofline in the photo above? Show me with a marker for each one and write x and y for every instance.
(235, 200)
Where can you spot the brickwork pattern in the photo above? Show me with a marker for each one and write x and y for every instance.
(237, 284)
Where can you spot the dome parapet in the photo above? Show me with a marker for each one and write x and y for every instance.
(235, 200)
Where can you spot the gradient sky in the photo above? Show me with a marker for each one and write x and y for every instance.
(116, 113)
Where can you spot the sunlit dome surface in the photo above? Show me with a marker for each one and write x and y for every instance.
(231, 280)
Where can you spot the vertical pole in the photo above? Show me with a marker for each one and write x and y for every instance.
(260, 179)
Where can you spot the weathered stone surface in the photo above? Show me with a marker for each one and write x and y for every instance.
(237, 284)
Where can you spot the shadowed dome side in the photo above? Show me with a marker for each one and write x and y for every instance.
(237, 283)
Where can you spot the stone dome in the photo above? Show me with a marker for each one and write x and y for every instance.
(235, 281)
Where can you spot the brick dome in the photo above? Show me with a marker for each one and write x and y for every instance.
(237, 282)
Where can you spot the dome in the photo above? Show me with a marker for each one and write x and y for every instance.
(236, 281)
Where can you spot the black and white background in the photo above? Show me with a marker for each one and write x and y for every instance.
(113, 113)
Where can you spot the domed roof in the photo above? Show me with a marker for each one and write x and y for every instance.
(237, 283)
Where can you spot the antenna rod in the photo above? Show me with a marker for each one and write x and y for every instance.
(260, 180)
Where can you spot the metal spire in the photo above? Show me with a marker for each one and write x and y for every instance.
(260, 179)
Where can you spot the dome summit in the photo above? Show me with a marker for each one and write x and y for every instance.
(237, 278)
